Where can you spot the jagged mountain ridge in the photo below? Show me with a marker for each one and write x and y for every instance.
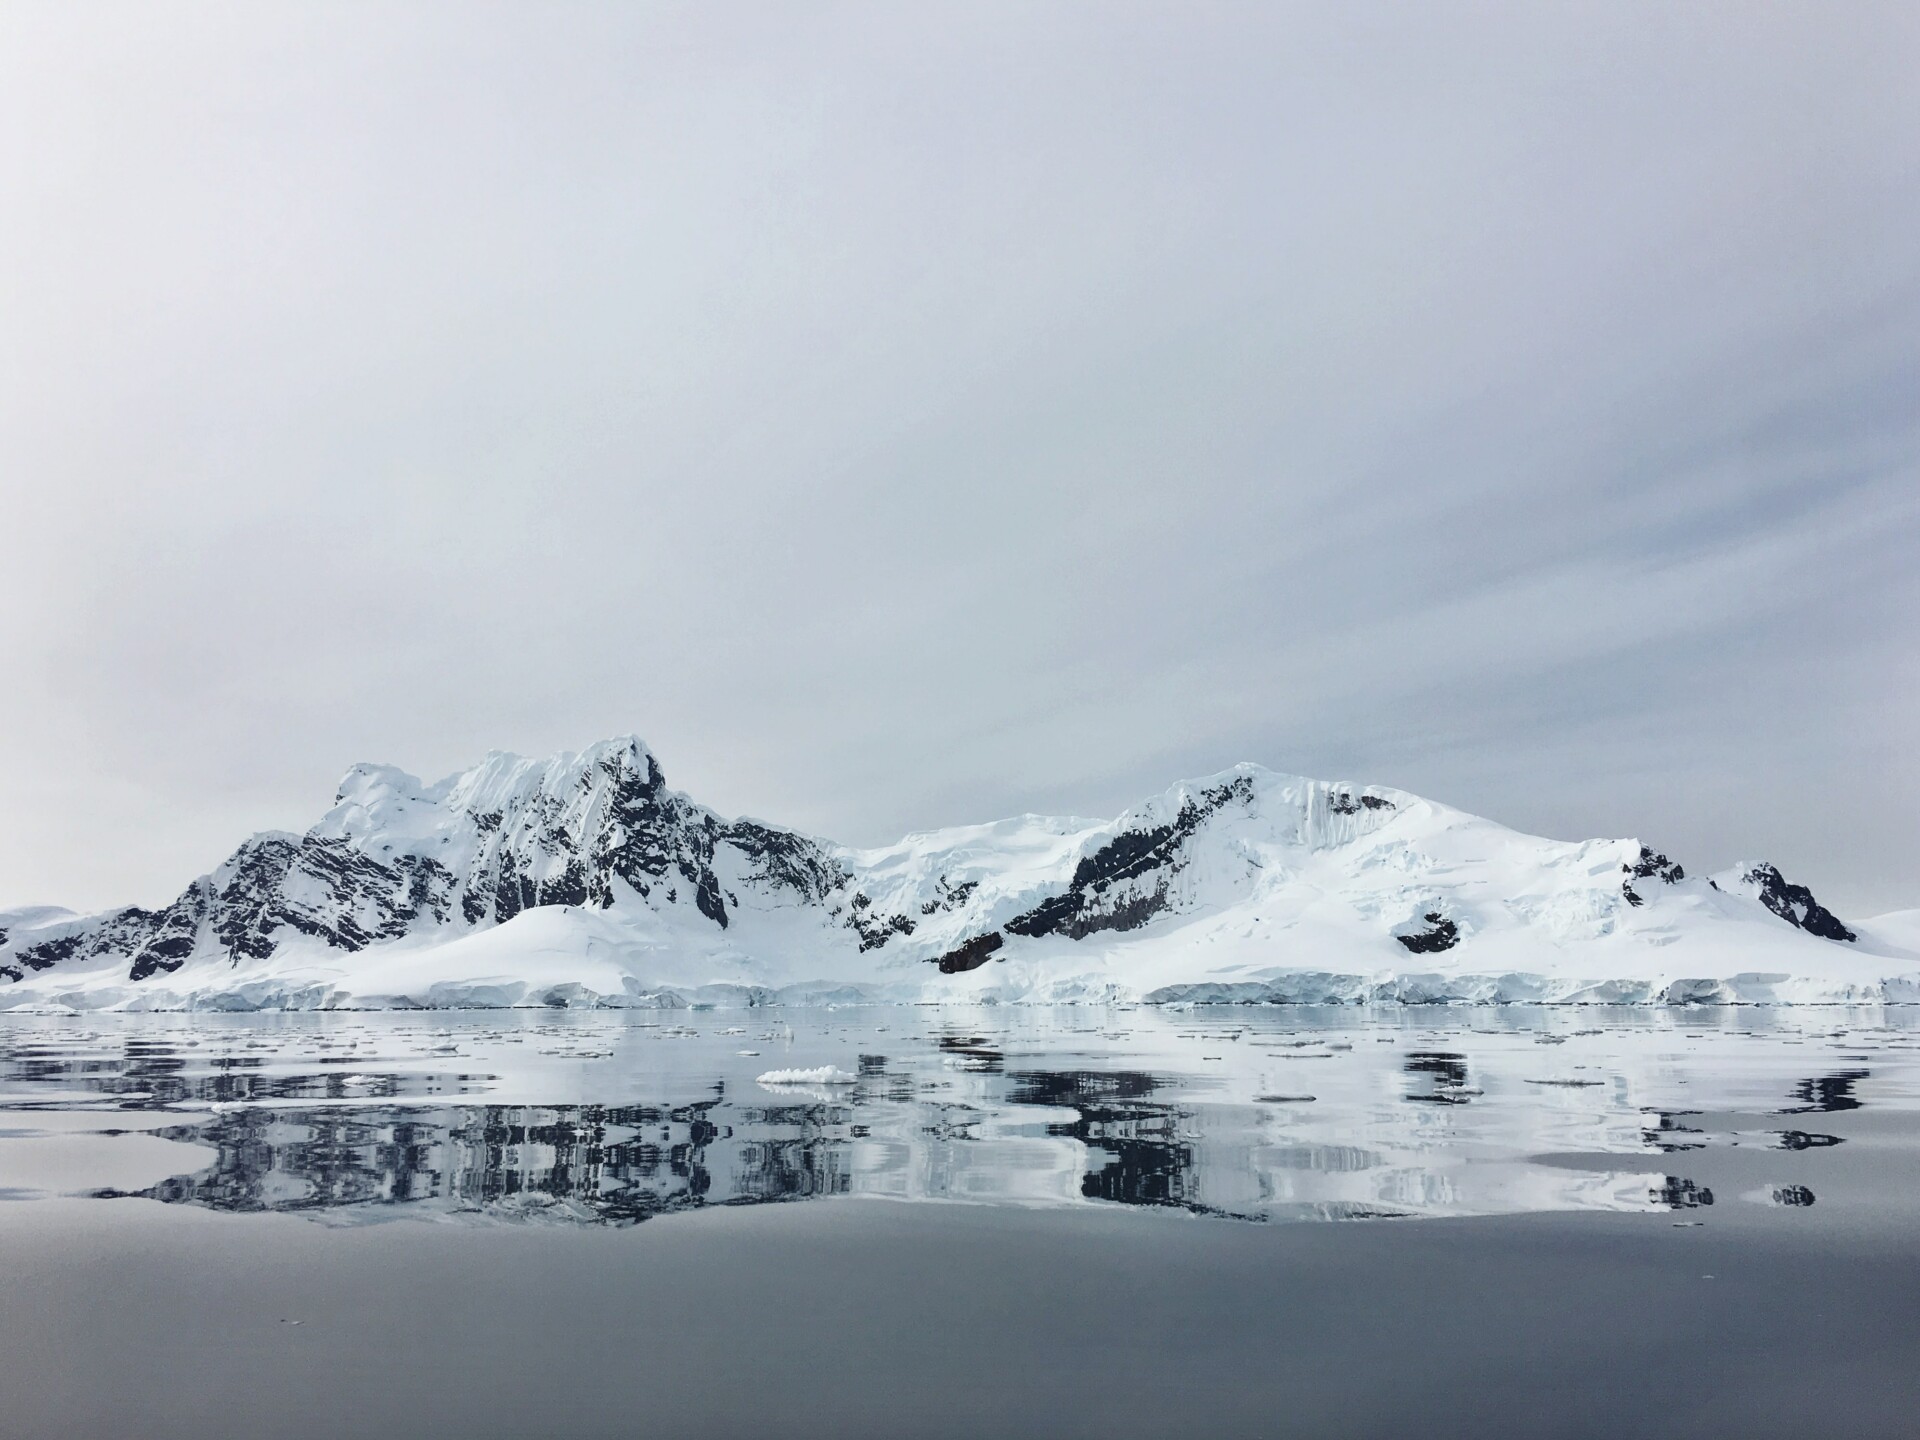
(485, 886)
(394, 857)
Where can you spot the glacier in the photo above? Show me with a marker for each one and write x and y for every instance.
(583, 880)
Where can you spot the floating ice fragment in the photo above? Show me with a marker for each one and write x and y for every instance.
(819, 1075)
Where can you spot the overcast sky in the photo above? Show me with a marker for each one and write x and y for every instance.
(904, 415)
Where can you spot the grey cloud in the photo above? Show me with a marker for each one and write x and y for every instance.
(904, 416)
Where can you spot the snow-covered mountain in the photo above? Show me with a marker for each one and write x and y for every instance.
(584, 880)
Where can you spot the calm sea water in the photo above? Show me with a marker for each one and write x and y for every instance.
(1103, 1222)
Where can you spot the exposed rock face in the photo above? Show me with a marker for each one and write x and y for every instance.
(570, 838)
(971, 955)
(648, 891)
(1437, 934)
(1795, 904)
(1343, 802)
(1650, 866)
(874, 929)
(1124, 884)
(949, 895)
(393, 858)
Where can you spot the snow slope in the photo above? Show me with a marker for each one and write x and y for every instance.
(583, 879)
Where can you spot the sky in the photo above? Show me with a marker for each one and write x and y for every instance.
(905, 416)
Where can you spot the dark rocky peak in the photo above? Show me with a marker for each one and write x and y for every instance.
(1651, 865)
(629, 762)
(1795, 904)
(568, 835)
(394, 856)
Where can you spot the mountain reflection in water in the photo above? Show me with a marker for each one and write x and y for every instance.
(1284, 1114)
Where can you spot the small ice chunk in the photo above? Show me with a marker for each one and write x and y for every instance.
(819, 1075)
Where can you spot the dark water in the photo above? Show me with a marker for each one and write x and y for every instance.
(1558, 1223)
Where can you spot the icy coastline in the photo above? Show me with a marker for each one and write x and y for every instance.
(583, 881)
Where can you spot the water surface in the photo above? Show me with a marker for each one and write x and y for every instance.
(1555, 1221)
